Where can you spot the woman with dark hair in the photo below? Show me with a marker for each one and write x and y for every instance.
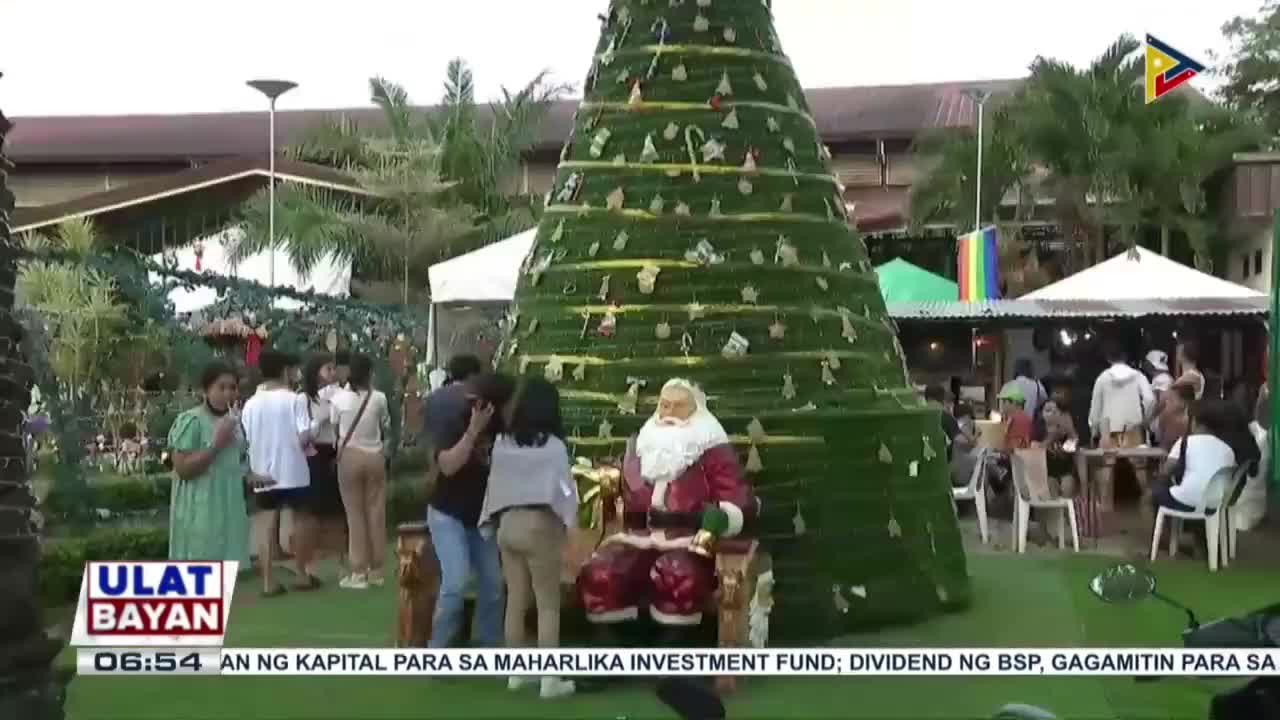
(1189, 362)
(359, 413)
(533, 500)
(319, 380)
(207, 515)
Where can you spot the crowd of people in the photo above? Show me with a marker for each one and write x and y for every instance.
(1127, 407)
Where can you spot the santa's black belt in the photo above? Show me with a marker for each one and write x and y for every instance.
(663, 520)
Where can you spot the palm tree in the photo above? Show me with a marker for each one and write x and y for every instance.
(30, 688)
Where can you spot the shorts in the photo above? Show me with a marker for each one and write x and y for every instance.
(291, 498)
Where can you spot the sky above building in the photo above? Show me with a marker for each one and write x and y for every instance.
(77, 57)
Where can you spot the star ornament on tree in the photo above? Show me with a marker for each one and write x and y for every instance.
(713, 149)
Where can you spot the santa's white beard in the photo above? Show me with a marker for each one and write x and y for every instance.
(666, 447)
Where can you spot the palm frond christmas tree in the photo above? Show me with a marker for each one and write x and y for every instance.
(696, 229)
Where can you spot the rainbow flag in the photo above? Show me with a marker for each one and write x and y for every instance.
(977, 265)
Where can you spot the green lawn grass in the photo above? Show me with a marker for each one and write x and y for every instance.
(1038, 601)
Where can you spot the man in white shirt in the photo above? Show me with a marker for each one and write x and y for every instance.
(276, 429)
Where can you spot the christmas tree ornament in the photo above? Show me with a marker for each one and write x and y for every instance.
(608, 324)
(859, 591)
(798, 527)
(845, 266)
(671, 131)
(635, 98)
(725, 88)
(786, 254)
(657, 204)
(730, 35)
(689, 144)
(620, 159)
(715, 208)
(822, 282)
(580, 372)
(745, 187)
(647, 277)
(686, 343)
(701, 23)
(620, 241)
(696, 310)
(885, 456)
(789, 145)
(704, 3)
(833, 360)
(615, 199)
(606, 57)
(933, 545)
(749, 163)
(731, 120)
(650, 153)
(533, 327)
(539, 267)
(586, 323)
(593, 248)
(753, 464)
(750, 295)
(788, 387)
(760, 82)
(895, 530)
(778, 330)
(828, 377)
(787, 203)
(736, 346)
(683, 210)
(605, 430)
(631, 400)
(623, 76)
(569, 191)
(773, 124)
(604, 288)
(791, 103)
(661, 31)
(703, 253)
(679, 73)
(712, 149)
(662, 330)
(715, 102)
(755, 431)
(793, 171)
(554, 371)
(837, 599)
(913, 468)
(757, 256)
(826, 259)
(558, 233)
(928, 453)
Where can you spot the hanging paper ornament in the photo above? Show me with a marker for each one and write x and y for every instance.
(828, 377)
(730, 35)
(778, 330)
(786, 255)
(712, 149)
(913, 468)
(608, 324)
(569, 190)
(928, 453)
(558, 232)
(703, 253)
(649, 153)
(822, 282)
(615, 199)
(787, 202)
(606, 57)
(554, 372)
(826, 259)
(682, 209)
(671, 131)
(760, 82)
(620, 242)
(895, 530)
(754, 464)
(841, 605)
(745, 187)
(657, 204)
(647, 277)
(788, 387)
(715, 208)
(885, 456)
(797, 523)
(623, 76)
(679, 73)
(605, 431)
(757, 256)
(845, 266)
(736, 346)
(749, 163)
(662, 330)
(773, 124)
(833, 360)
(620, 159)
(604, 288)
(598, 142)
(750, 295)
(686, 343)
(593, 248)
(696, 310)
(631, 400)
(701, 23)
(636, 98)
(539, 267)
(731, 120)
(580, 372)
(755, 431)
(789, 145)
(725, 88)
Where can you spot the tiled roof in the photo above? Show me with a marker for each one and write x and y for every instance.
(842, 114)
(997, 310)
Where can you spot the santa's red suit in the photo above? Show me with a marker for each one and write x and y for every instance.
(649, 563)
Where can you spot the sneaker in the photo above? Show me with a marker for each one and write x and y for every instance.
(553, 687)
(520, 682)
(354, 581)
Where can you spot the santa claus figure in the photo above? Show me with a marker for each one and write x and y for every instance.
(680, 480)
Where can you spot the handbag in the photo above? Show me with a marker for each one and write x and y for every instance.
(337, 456)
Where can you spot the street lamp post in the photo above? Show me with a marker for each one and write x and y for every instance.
(272, 89)
(979, 97)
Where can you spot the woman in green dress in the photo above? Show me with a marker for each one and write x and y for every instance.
(207, 518)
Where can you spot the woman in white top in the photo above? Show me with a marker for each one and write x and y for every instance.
(359, 415)
(318, 387)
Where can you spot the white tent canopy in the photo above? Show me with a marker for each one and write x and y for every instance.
(489, 274)
(1140, 274)
(328, 277)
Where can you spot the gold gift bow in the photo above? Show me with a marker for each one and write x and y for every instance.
(601, 481)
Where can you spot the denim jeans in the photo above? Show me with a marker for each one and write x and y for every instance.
(460, 550)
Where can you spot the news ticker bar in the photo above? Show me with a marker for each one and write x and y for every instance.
(652, 662)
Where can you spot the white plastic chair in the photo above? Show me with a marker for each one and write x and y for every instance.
(1212, 520)
(1025, 500)
(976, 492)
(1226, 525)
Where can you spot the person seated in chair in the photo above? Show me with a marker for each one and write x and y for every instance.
(681, 486)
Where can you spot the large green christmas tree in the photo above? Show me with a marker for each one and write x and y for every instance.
(696, 229)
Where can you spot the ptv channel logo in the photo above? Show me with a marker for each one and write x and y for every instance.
(154, 603)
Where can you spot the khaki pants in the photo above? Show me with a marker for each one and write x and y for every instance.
(362, 479)
(532, 541)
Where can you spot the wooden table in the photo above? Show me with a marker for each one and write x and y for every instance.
(1097, 499)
